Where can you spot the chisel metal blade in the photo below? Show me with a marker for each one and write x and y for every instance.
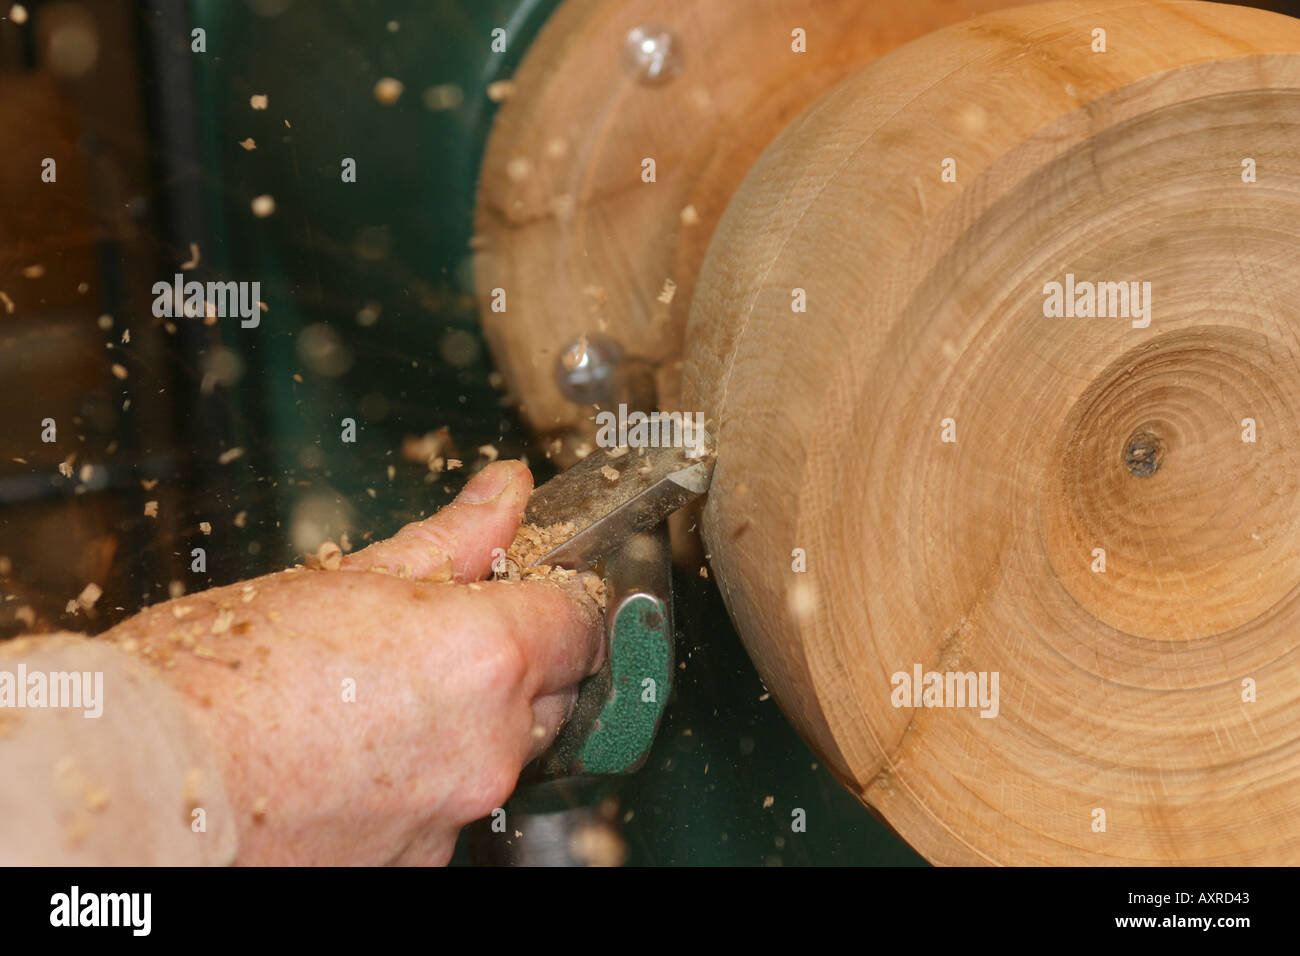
(613, 494)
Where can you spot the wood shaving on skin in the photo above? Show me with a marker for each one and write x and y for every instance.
(531, 542)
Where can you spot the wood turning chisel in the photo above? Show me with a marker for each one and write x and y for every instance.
(612, 507)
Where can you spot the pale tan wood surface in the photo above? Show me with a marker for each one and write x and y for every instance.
(1119, 691)
(565, 224)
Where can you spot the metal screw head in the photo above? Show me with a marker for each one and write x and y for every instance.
(1143, 453)
(586, 369)
(652, 54)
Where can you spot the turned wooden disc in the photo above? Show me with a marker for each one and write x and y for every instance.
(567, 227)
(1148, 712)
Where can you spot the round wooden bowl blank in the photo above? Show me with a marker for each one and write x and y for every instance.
(1121, 693)
(565, 224)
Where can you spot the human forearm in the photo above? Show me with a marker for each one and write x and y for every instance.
(135, 785)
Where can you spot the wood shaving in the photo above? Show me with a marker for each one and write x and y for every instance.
(444, 572)
(260, 806)
(193, 259)
(148, 484)
(669, 290)
(229, 455)
(241, 519)
(454, 463)
(77, 828)
(532, 542)
(618, 452)
(328, 557)
(595, 586)
(7, 302)
(89, 595)
(262, 206)
(33, 272)
(610, 474)
(191, 789)
(446, 96)
(249, 144)
(690, 217)
(119, 371)
(389, 90)
(222, 622)
(18, 14)
(422, 449)
(95, 799)
(500, 91)
(207, 654)
(205, 527)
(259, 101)
(598, 844)
(489, 452)
(151, 509)
(67, 776)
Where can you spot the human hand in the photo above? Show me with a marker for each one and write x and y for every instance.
(364, 717)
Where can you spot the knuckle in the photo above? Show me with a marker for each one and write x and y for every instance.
(500, 662)
(428, 537)
(498, 785)
(491, 789)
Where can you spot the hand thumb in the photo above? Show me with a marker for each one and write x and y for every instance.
(457, 542)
